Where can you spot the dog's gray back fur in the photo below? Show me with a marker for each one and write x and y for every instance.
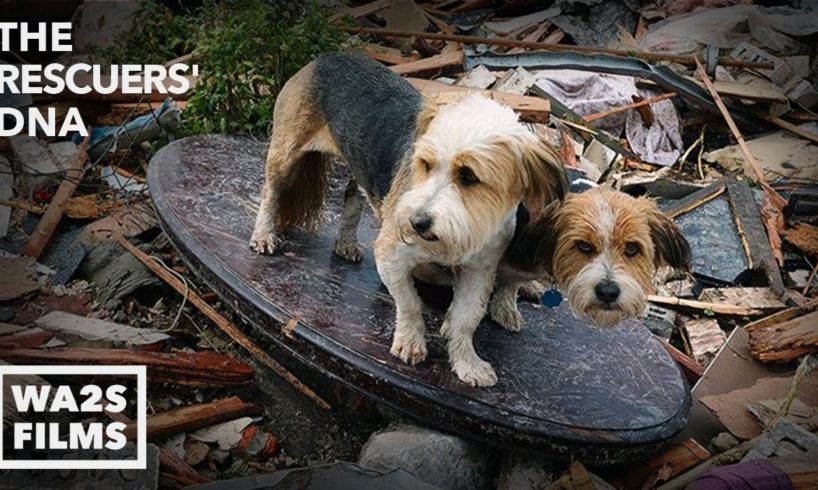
(371, 112)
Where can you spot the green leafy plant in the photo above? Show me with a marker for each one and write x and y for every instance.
(246, 51)
(157, 36)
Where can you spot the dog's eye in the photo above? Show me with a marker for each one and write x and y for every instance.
(631, 249)
(426, 165)
(466, 177)
(585, 247)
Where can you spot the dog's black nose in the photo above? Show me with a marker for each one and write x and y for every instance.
(421, 222)
(607, 291)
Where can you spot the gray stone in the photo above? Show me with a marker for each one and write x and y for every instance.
(41, 166)
(723, 442)
(440, 459)
(524, 472)
(783, 439)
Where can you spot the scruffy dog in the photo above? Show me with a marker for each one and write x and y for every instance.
(444, 180)
(602, 248)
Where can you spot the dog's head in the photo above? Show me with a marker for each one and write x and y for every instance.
(472, 164)
(603, 248)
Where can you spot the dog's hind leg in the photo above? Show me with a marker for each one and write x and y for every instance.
(346, 243)
(296, 169)
(503, 307)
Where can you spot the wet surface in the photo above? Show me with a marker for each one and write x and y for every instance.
(563, 386)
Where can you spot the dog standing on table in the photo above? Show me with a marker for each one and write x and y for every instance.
(444, 180)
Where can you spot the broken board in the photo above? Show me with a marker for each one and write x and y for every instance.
(601, 395)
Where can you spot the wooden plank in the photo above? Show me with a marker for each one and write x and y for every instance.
(171, 465)
(513, 43)
(783, 316)
(434, 64)
(672, 462)
(531, 109)
(751, 231)
(192, 417)
(363, 10)
(786, 341)
(692, 369)
(180, 368)
(701, 305)
(48, 223)
(389, 56)
(792, 128)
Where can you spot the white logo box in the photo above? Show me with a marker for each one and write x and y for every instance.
(140, 463)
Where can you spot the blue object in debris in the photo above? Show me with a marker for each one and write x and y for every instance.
(105, 139)
(551, 298)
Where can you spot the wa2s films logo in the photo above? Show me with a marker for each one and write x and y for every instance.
(78, 420)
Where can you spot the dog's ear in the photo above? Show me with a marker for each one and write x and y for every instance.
(428, 111)
(670, 246)
(545, 170)
(535, 238)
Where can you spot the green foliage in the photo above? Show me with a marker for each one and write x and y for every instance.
(156, 37)
(246, 51)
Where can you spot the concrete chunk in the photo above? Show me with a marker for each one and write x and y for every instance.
(440, 459)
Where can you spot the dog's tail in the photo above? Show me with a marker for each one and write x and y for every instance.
(301, 196)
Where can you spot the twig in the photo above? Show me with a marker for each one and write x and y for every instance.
(632, 105)
(808, 135)
(806, 366)
(53, 214)
(776, 198)
(718, 308)
(31, 208)
(512, 43)
(699, 141)
(701, 152)
(221, 322)
(809, 281)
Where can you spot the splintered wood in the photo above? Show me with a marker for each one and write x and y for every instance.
(192, 417)
(180, 368)
(706, 338)
(785, 341)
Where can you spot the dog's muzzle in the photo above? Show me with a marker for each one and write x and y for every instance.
(607, 293)
(422, 224)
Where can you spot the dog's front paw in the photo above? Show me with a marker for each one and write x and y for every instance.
(507, 315)
(410, 349)
(475, 372)
(349, 250)
(265, 243)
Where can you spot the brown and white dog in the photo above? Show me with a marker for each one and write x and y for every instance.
(444, 180)
(602, 248)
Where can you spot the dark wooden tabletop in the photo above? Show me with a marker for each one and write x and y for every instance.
(606, 395)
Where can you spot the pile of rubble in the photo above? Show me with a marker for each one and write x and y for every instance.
(704, 105)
